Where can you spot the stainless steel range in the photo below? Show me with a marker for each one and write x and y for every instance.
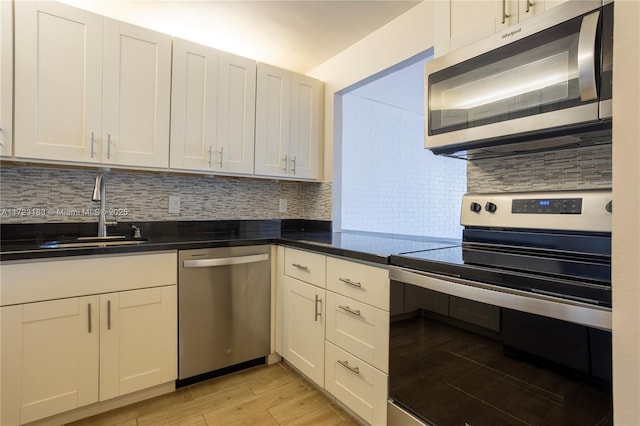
(513, 326)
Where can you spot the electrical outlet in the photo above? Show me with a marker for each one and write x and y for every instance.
(174, 204)
(282, 207)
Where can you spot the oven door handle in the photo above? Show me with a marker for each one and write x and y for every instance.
(566, 310)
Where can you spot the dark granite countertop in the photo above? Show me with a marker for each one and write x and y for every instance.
(20, 242)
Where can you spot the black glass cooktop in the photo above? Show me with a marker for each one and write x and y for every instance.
(583, 280)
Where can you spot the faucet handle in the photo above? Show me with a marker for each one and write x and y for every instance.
(136, 231)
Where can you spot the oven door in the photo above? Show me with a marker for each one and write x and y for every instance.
(466, 354)
(544, 75)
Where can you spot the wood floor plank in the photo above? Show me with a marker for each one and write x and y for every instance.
(312, 408)
(173, 414)
(244, 408)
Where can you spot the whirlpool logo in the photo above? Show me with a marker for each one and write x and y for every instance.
(511, 33)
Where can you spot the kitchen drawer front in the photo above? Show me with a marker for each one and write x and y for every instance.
(358, 328)
(356, 384)
(365, 283)
(305, 266)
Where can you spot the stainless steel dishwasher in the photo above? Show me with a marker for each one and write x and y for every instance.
(224, 297)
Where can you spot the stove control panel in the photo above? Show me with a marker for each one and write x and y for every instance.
(547, 206)
(588, 210)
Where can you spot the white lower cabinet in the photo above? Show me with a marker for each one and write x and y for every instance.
(356, 384)
(49, 358)
(303, 334)
(138, 332)
(88, 344)
(352, 314)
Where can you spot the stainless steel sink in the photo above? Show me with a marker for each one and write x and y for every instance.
(113, 240)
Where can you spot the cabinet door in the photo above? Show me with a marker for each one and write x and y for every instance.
(305, 152)
(273, 110)
(303, 332)
(6, 78)
(136, 96)
(473, 20)
(193, 106)
(49, 358)
(138, 340)
(58, 82)
(236, 114)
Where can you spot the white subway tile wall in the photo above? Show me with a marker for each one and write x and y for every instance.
(42, 194)
(390, 183)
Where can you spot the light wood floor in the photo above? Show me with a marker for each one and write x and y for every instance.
(263, 395)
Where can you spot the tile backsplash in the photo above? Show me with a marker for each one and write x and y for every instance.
(578, 168)
(41, 194)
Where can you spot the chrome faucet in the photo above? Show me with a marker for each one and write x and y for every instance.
(100, 194)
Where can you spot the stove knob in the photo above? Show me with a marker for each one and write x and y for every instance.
(609, 207)
(475, 207)
(490, 207)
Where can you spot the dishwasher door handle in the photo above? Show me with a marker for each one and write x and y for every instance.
(223, 261)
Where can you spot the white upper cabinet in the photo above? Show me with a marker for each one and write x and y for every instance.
(212, 110)
(458, 23)
(136, 96)
(58, 82)
(89, 89)
(6, 78)
(193, 106)
(288, 124)
(236, 114)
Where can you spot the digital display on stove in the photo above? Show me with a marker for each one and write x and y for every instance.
(547, 206)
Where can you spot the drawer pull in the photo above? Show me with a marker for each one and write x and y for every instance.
(348, 309)
(345, 364)
(302, 267)
(348, 281)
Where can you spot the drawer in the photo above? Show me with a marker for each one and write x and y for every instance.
(365, 283)
(356, 384)
(305, 266)
(358, 328)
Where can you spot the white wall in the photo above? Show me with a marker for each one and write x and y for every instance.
(626, 218)
(390, 183)
(402, 38)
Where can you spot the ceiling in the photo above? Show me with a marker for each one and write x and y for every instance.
(297, 35)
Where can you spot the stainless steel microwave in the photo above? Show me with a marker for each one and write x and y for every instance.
(540, 85)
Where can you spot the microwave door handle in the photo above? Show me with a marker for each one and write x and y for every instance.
(586, 57)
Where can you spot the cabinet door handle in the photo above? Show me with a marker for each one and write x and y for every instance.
(529, 4)
(316, 313)
(286, 162)
(210, 156)
(109, 146)
(302, 267)
(221, 155)
(352, 283)
(89, 316)
(504, 11)
(108, 314)
(346, 365)
(93, 141)
(293, 165)
(348, 309)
